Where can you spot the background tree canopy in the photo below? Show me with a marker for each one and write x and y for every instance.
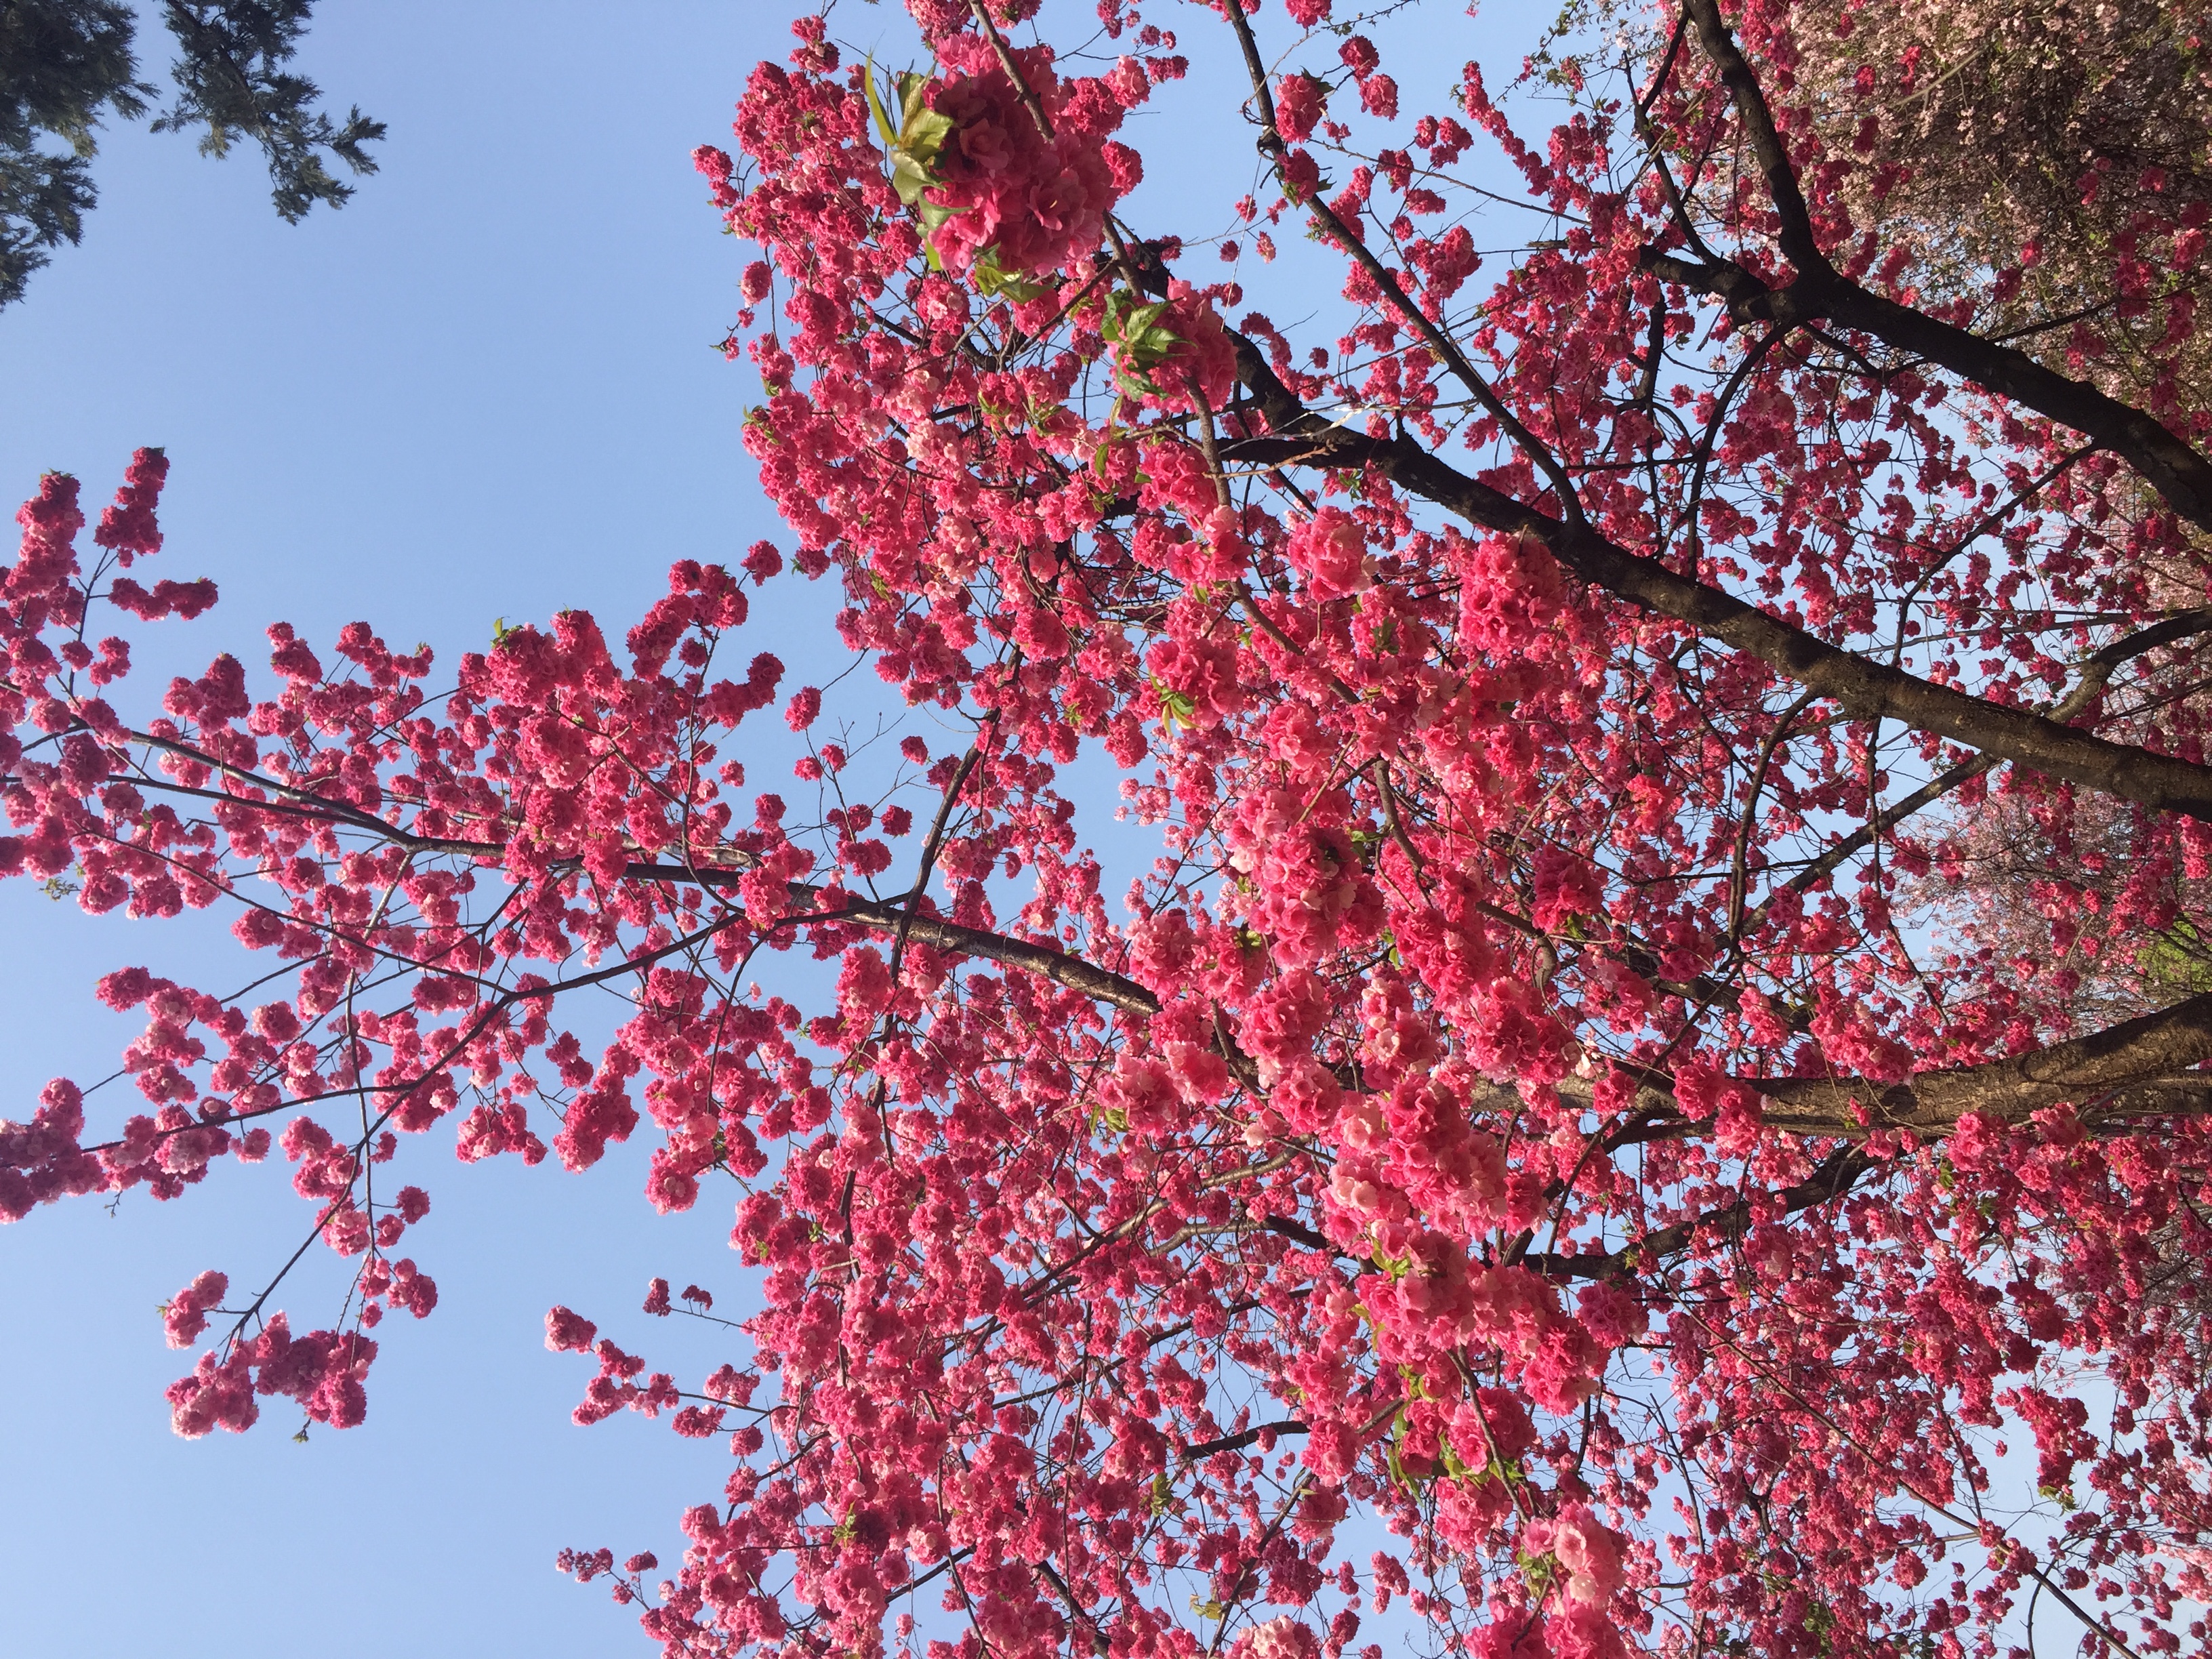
(66, 65)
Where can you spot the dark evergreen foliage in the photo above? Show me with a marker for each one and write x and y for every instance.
(230, 79)
(66, 64)
(62, 63)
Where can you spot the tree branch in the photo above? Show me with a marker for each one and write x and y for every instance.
(1239, 1441)
(1866, 689)
(1447, 349)
(2122, 1070)
(1098, 983)
(2096, 674)
(1835, 1176)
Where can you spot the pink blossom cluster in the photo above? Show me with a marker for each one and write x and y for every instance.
(323, 1371)
(1037, 200)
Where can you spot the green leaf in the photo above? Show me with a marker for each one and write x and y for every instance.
(995, 282)
(927, 129)
(913, 95)
(1139, 339)
(922, 130)
(914, 145)
(1135, 327)
(876, 108)
(1137, 383)
(909, 177)
(1540, 1572)
(1454, 1468)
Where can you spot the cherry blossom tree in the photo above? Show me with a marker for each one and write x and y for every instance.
(1532, 1117)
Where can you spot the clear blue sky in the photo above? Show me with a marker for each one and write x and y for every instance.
(485, 389)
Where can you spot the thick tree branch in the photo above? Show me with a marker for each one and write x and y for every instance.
(2123, 1070)
(2140, 1068)
(2096, 674)
(1835, 1176)
(1230, 1443)
(1097, 983)
(2137, 1069)
(1798, 246)
(1866, 689)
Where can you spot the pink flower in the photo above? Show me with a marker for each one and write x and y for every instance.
(186, 1316)
(1282, 1638)
(1300, 101)
(1588, 1551)
(1059, 200)
(1331, 547)
(983, 146)
(1567, 886)
(569, 1332)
